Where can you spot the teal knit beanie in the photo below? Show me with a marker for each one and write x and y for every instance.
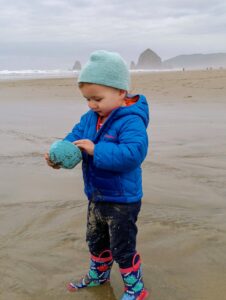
(106, 68)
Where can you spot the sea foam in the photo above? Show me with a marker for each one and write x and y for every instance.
(33, 74)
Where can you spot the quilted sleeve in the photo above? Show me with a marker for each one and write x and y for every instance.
(77, 131)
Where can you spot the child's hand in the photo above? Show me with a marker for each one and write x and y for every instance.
(85, 145)
(50, 163)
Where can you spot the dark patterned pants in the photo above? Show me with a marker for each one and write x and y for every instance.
(113, 226)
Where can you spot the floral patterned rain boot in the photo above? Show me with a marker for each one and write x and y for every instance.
(132, 278)
(99, 272)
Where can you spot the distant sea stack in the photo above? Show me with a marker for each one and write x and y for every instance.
(132, 65)
(77, 66)
(149, 60)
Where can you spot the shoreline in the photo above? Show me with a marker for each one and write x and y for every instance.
(204, 86)
(43, 75)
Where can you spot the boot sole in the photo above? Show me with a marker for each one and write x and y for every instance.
(144, 294)
(71, 288)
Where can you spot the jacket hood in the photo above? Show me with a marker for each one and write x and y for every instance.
(140, 108)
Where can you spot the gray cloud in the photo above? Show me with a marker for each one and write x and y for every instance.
(70, 29)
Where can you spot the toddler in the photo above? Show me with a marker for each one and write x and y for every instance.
(113, 139)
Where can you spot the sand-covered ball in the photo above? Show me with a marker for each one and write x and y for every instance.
(65, 153)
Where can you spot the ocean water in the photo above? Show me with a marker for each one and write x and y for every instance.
(57, 73)
(35, 74)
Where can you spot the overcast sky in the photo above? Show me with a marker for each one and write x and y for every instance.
(54, 33)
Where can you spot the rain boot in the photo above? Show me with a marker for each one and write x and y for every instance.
(132, 278)
(99, 272)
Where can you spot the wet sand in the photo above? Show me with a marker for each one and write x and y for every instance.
(182, 228)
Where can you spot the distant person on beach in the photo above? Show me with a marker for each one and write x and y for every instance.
(113, 139)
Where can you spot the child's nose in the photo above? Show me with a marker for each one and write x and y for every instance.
(92, 104)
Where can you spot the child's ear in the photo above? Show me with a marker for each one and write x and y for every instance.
(123, 93)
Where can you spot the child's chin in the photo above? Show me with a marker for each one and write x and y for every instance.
(102, 114)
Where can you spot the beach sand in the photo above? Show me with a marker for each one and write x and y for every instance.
(182, 228)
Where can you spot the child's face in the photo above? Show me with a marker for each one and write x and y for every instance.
(102, 99)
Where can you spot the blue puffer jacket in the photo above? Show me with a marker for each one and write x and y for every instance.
(114, 172)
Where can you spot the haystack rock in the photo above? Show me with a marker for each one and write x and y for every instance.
(77, 66)
(149, 60)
